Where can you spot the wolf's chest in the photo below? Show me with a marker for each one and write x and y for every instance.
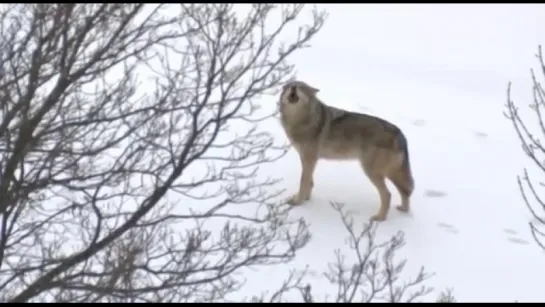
(295, 128)
(297, 135)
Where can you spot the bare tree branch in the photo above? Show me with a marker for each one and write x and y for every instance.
(530, 135)
(129, 144)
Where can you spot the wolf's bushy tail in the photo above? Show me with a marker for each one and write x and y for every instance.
(406, 165)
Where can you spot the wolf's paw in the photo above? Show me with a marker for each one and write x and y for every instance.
(295, 200)
(403, 209)
(378, 218)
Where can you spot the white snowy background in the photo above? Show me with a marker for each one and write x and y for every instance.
(440, 72)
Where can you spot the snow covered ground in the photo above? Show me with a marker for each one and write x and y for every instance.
(440, 72)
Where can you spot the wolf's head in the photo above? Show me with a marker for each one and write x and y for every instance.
(297, 93)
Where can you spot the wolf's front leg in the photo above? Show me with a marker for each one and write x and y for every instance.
(308, 164)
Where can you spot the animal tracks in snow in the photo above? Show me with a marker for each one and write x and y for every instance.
(434, 193)
(448, 228)
(419, 122)
(480, 134)
(444, 226)
(512, 236)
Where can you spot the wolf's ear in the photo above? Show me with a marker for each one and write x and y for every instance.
(313, 89)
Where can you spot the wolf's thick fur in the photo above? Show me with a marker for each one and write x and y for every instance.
(318, 131)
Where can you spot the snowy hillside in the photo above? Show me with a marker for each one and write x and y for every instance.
(142, 158)
(440, 73)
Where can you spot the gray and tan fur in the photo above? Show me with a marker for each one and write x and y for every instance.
(318, 131)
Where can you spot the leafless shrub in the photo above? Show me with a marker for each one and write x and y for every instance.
(129, 149)
(446, 296)
(530, 134)
(371, 274)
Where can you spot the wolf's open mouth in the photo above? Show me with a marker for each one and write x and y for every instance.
(292, 98)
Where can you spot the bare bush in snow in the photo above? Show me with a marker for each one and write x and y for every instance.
(531, 134)
(368, 270)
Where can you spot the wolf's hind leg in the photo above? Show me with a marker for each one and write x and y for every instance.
(373, 163)
(385, 197)
(402, 183)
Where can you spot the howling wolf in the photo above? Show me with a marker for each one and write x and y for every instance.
(318, 131)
